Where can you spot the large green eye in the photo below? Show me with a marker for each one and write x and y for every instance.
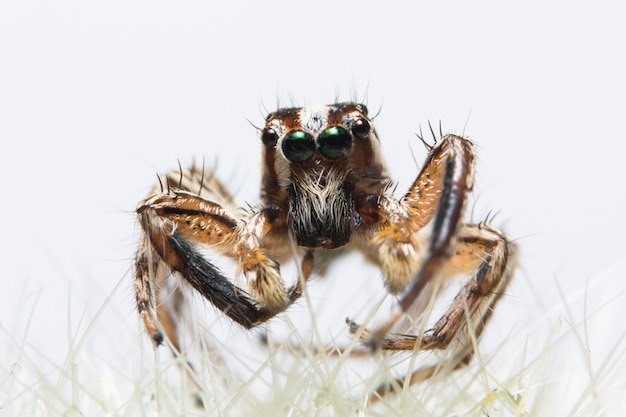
(335, 142)
(298, 146)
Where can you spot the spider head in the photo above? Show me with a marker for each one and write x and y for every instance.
(318, 160)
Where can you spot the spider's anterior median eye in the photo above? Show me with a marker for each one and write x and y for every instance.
(361, 128)
(335, 142)
(298, 146)
(269, 137)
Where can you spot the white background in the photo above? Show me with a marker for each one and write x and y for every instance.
(97, 97)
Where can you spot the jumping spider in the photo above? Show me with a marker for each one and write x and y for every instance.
(324, 185)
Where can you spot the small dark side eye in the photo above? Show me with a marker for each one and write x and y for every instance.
(361, 128)
(269, 137)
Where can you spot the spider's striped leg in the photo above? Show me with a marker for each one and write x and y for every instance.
(486, 254)
(437, 197)
(175, 224)
(151, 273)
(489, 256)
(159, 312)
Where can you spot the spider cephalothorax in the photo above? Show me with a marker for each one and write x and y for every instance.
(320, 165)
(324, 184)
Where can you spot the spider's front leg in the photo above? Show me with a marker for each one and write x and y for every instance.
(175, 224)
(438, 197)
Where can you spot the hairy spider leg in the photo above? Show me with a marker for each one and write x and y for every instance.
(174, 221)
